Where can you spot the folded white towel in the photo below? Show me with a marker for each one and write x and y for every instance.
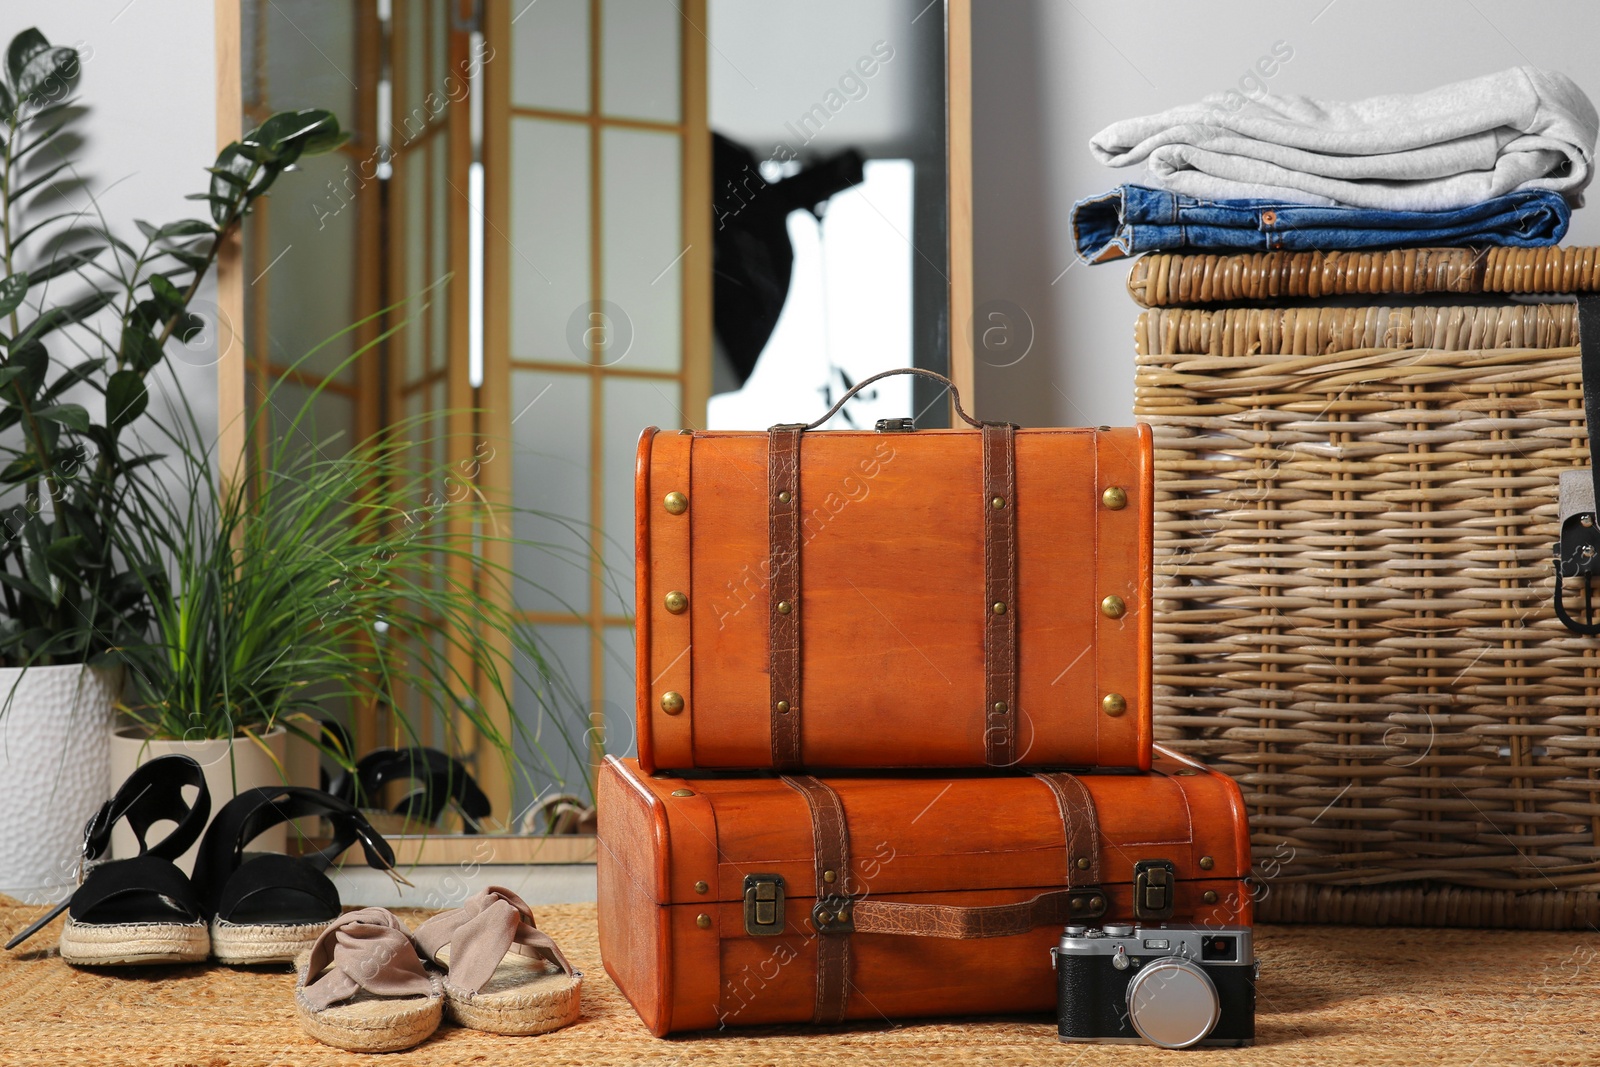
(1449, 147)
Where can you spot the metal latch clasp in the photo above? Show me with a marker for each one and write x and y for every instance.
(1154, 886)
(763, 905)
(897, 425)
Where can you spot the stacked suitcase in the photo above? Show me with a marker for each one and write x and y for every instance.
(894, 727)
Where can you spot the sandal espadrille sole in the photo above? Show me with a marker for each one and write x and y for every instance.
(523, 997)
(369, 1023)
(238, 943)
(94, 945)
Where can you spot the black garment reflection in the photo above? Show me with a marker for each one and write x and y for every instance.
(752, 259)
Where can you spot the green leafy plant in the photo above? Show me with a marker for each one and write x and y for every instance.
(84, 313)
(326, 578)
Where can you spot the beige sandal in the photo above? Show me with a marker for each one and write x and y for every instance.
(362, 986)
(505, 974)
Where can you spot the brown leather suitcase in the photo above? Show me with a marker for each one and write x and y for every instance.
(753, 900)
(938, 598)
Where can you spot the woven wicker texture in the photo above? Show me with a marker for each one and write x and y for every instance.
(1355, 509)
(1162, 280)
(1327, 995)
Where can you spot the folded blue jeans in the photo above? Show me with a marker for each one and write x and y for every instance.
(1131, 219)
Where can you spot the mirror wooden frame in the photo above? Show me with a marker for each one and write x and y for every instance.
(232, 371)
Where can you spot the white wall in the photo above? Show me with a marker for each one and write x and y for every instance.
(771, 61)
(1050, 73)
(149, 85)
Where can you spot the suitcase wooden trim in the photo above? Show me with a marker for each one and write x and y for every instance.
(1087, 706)
(671, 878)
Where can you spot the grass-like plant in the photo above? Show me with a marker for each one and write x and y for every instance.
(328, 574)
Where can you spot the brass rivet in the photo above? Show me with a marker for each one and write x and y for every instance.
(683, 792)
(783, 705)
(676, 503)
(671, 702)
(1096, 901)
(828, 876)
(1206, 863)
(1209, 896)
(784, 607)
(676, 601)
(999, 608)
(1115, 498)
(703, 921)
(1083, 864)
(998, 502)
(701, 887)
(1077, 903)
(844, 914)
(824, 916)
(1000, 706)
(1114, 704)
(1103, 429)
(1113, 607)
(784, 497)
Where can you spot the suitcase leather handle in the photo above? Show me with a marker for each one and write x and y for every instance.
(854, 389)
(1053, 908)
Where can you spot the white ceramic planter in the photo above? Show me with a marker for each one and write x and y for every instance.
(231, 766)
(55, 725)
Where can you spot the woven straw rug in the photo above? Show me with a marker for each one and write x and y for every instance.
(1328, 995)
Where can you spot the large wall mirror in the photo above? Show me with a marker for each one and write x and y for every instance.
(830, 186)
(560, 221)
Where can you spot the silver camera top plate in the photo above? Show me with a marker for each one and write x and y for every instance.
(1220, 946)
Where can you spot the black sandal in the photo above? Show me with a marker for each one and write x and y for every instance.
(140, 910)
(269, 907)
(442, 782)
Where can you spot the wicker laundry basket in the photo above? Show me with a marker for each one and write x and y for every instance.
(1168, 280)
(1355, 511)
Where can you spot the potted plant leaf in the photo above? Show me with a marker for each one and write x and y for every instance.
(323, 581)
(85, 318)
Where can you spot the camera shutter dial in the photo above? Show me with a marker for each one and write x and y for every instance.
(1173, 1003)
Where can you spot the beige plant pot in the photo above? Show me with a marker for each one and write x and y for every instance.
(54, 773)
(231, 766)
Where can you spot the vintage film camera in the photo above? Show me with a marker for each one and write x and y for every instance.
(1172, 986)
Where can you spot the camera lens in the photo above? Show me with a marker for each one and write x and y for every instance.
(1173, 1003)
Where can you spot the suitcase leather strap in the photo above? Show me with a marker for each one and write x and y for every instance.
(1000, 585)
(783, 593)
(1082, 826)
(999, 505)
(837, 913)
(831, 838)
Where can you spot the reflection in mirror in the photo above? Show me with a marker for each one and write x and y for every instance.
(678, 213)
(830, 219)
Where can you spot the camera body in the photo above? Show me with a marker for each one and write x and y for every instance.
(1172, 986)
